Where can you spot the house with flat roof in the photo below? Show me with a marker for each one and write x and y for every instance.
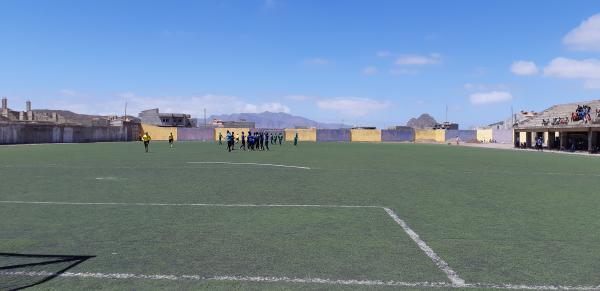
(572, 126)
(154, 117)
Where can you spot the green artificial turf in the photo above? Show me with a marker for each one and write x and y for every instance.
(496, 216)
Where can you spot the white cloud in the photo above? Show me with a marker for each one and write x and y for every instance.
(384, 54)
(352, 106)
(490, 97)
(565, 68)
(371, 70)
(585, 37)
(298, 97)
(214, 104)
(419, 59)
(318, 62)
(194, 105)
(272, 107)
(524, 68)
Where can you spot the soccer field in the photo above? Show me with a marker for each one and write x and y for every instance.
(317, 216)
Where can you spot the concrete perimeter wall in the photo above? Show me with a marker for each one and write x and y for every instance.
(430, 135)
(159, 132)
(398, 135)
(333, 135)
(463, 135)
(365, 135)
(503, 135)
(308, 134)
(223, 131)
(195, 134)
(49, 133)
(484, 135)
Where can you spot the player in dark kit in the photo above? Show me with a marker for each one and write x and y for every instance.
(250, 141)
(261, 139)
(229, 138)
(267, 140)
(243, 141)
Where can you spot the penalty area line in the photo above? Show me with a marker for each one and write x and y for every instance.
(253, 164)
(252, 279)
(187, 204)
(291, 280)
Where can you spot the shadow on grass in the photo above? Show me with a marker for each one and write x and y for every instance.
(20, 271)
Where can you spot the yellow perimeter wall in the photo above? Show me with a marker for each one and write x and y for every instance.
(304, 134)
(237, 131)
(372, 135)
(159, 132)
(484, 135)
(428, 135)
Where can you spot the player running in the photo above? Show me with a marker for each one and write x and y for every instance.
(146, 139)
(171, 139)
(220, 138)
(296, 139)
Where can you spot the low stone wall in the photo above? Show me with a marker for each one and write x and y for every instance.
(463, 135)
(503, 135)
(309, 134)
(159, 132)
(333, 135)
(365, 135)
(430, 135)
(223, 132)
(16, 133)
(195, 134)
(398, 135)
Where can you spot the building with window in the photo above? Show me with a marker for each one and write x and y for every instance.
(154, 117)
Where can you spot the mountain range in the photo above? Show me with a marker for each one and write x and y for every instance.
(277, 120)
(423, 121)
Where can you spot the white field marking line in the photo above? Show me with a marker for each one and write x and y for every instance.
(254, 279)
(111, 178)
(457, 282)
(187, 204)
(265, 279)
(255, 164)
(439, 262)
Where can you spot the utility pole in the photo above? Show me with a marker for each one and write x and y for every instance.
(446, 113)
(204, 117)
(125, 111)
(512, 116)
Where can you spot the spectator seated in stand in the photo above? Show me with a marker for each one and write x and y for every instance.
(582, 113)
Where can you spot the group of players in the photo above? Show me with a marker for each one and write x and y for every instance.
(258, 141)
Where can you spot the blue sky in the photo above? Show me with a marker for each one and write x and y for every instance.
(362, 62)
